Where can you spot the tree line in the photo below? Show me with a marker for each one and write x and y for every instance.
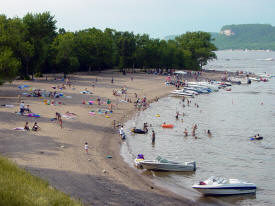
(33, 45)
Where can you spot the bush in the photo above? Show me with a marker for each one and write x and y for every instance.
(38, 74)
(27, 77)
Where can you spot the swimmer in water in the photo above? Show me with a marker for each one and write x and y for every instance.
(177, 115)
(153, 137)
(185, 132)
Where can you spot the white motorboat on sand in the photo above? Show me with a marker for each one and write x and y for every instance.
(161, 164)
(223, 186)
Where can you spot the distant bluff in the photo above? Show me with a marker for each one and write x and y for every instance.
(243, 36)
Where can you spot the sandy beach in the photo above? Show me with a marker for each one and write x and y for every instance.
(57, 154)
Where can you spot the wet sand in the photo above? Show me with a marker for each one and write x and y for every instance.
(58, 156)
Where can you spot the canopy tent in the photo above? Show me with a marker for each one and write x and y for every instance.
(180, 72)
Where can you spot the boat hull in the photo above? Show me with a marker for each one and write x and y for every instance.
(168, 167)
(226, 191)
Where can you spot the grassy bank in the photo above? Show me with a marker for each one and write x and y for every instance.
(19, 187)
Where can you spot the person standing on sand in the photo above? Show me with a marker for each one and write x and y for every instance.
(86, 147)
(19, 97)
(58, 118)
(22, 108)
(109, 104)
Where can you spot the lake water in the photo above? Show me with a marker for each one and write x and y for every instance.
(232, 117)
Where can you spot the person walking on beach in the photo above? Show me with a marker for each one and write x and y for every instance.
(86, 147)
(58, 118)
(153, 137)
(19, 98)
(22, 108)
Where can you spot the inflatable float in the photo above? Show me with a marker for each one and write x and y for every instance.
(167, 126)
(138, 131)
(257, 138)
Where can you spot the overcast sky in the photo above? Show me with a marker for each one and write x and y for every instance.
(158, 18)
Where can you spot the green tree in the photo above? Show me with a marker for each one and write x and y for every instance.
(41, 32)
(13, 35)
(64, 47)
(95, 49)
(8, 65)
(200, 46)
(126, 44)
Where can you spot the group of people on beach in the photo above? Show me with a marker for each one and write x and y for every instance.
(35, 127)
(24, 109)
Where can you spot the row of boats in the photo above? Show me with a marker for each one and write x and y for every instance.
(195, 88)
(211, 186)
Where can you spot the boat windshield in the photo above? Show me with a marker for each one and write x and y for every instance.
(218, 180)
(162, 160)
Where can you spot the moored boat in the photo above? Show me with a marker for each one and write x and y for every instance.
(223, 186)
(161, 164)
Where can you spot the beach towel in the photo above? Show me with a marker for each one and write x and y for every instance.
(8, 105)
(19, 129)
(20, 114)
(23, 86)
(85, 92)
(69, 116)
(92, 113)
(33, 115)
